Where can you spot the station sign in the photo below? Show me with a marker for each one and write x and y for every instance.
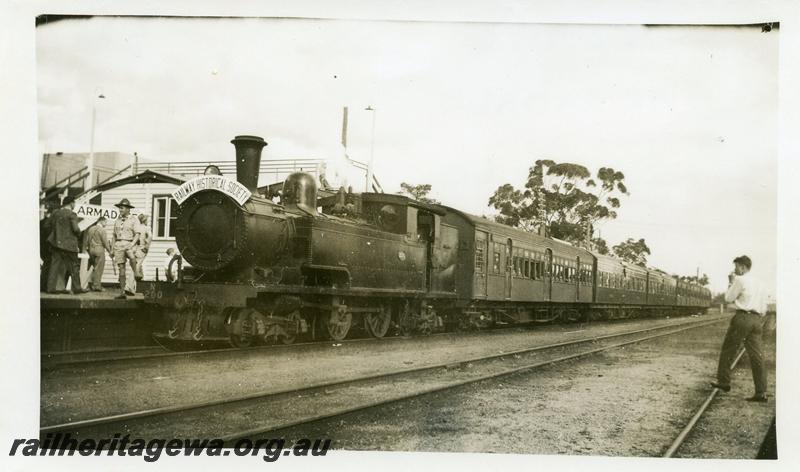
(229, 187)
(88, 213)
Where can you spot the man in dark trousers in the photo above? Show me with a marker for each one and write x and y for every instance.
(63, 240)
(95, 242)
(748, 296)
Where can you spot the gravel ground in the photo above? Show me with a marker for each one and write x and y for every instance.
(631, 401)
(277, 411)
(83, 392)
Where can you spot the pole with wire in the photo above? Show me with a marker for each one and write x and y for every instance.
(371, 150)
(90, 162)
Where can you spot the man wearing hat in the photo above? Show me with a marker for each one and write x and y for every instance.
(63, 241)
(122, 243)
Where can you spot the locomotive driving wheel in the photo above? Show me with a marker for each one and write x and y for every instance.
(286, 337)
(336, 323)
(240, 340)
(377, 324)
(242, 334)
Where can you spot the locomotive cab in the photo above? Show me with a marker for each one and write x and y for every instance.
(401, 215)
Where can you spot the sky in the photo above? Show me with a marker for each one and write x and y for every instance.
(687, 113)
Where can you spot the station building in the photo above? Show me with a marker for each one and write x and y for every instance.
(149, 186)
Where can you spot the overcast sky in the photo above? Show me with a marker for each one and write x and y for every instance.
(689, 114)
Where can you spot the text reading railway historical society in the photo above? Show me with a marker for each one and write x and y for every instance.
(63, 444)
(229, 187)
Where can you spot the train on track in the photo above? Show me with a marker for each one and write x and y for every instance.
(323, 266)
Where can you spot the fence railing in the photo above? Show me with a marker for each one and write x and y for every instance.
(76, 176)
(229, 167)
(278, 167)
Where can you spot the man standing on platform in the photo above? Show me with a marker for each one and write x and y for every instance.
(63, 241)
(122, 243)
(748, 296)
(141, 244)
(96, 243)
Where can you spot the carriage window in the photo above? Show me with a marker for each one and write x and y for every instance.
(496, 265)
(479, 256)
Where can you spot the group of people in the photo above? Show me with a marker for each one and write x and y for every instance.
(130, 243)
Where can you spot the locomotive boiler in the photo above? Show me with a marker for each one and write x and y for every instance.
(268, 271)
(325, 265)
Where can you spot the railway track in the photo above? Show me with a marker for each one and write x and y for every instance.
(86, 358)
(679, 440)
(265, 412)
(55, 360)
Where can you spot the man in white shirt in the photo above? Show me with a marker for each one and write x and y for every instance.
(748, 296)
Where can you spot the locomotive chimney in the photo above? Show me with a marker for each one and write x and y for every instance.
(248, 160)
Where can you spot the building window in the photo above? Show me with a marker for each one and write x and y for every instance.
(165, 212)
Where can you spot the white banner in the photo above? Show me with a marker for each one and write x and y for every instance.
(229, 187)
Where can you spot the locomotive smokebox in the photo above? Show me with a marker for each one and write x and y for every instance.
(248, 160)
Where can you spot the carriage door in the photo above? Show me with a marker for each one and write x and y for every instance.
(577, 279)
(482, 263)
(548, 274)
(509, 268)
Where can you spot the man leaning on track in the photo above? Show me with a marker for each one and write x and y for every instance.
(748, 295)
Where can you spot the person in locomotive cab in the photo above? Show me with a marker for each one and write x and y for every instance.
(141, 244)
(748, 296)
(122, 244)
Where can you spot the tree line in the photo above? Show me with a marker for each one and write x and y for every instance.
(564, 201)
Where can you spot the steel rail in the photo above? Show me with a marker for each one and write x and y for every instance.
(52, 362)
(267, 394)
(382, 402)
(673, 448)
(63, 359)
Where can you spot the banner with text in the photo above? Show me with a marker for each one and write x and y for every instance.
(229, 187)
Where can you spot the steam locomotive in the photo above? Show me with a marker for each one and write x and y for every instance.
(325, 266)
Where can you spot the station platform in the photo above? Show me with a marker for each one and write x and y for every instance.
(104, 300)
(95, 321)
